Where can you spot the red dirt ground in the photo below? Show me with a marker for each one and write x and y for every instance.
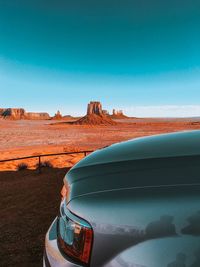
(24, 138)
(29, 203)
(93, 120)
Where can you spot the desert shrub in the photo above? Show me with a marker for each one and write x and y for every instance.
(22, 166)
(45, 164)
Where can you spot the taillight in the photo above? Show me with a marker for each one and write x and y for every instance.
(75, 237)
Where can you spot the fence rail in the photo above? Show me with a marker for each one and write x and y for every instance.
(85, 152)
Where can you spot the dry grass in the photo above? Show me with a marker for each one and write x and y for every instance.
(22, 166)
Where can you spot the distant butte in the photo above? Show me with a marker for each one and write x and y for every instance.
(20, 114)
(57, 116)
(13, 113)
(95, 116)
(118, 114)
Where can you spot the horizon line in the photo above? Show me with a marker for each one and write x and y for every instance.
(137, 111)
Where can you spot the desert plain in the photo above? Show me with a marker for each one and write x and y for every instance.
(21, 138)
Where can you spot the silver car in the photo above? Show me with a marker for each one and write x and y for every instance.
(133, 204)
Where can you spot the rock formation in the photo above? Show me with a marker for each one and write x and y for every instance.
(57, 116)
(20, 113)
(37, 116)
(95, 116)
(13, 113)
(118, 114)
(105, 112)
(68, 117)
(94, 107)
(1, 111)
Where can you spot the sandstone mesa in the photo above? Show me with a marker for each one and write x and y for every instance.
(96, 115)
(20, 113)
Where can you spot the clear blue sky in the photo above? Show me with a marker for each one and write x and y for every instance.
(139, 55)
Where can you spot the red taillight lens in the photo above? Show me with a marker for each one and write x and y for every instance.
(75, 238)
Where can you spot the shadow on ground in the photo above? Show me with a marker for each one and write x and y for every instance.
(29, 203)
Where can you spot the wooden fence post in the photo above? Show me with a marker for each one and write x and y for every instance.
(39, 165)
(85, 153)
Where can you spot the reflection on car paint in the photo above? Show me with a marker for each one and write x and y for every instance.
(194, 225)
(179, 262)
(161, 228)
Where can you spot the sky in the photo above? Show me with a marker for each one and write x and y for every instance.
(137, 55)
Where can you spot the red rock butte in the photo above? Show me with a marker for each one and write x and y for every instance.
(95, 116)
(20, 114)
(57, 116)
(118, 114)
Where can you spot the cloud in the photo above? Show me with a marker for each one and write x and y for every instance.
(163, 111)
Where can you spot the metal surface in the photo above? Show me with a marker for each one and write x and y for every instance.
(144, 211)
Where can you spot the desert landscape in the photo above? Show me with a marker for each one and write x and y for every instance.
(24, 135)
(78, 76)
(25, 207)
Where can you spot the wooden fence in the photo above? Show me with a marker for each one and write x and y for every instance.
(47, 155)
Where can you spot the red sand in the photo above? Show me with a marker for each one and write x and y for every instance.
(93, 120)
(25, 138)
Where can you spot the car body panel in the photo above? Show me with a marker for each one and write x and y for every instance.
(129, 221)
(168, 252)
(148, 161)
(129, 174)
(142, 199)
(156, 146)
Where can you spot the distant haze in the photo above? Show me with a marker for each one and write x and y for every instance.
(139, 56)
(164, 111)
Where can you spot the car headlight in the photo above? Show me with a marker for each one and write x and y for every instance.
(75, 236)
